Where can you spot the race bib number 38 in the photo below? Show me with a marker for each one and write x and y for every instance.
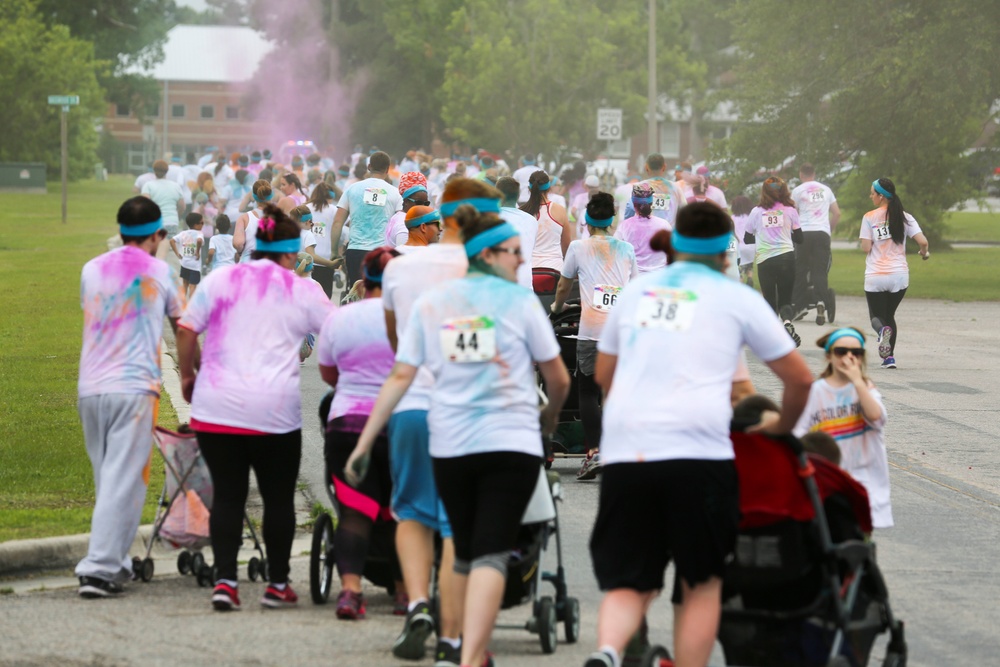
(375, 197)
(469, 340)
(605, 297)
(665, 308)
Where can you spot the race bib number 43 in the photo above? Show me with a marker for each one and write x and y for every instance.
(665, 308)
(775, 218)
(605, 297)
(660, 201)
(375, 197)
(469, 340)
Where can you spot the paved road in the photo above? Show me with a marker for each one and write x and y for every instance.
(938, 559)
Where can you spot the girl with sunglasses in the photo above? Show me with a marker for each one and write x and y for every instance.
(845, 404)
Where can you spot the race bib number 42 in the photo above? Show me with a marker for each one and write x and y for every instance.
(319, 229)
(469, 340)
(666, 308)
(375, 197)
(605, 297)
(775, 218)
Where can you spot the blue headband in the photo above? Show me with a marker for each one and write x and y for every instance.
(255, 159)
(306, 218)
(344, 172)
(413, 190)
(545, 186)
(369, 277)
(642, 200)
(598, 223)
(483, 205)
(258, 199)
(842, 333)
(695, 246)
(491, 237)
(285, 245)
(528, 161)
(141, 230)
(882, 191)
(433, 216)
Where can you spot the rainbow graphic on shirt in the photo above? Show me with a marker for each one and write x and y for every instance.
(840, 422)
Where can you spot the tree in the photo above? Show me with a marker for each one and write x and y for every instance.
(899, 88)
(39, 61)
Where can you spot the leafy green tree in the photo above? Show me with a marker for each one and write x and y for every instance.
(898, 88)
(38, 61)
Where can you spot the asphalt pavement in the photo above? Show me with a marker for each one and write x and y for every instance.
(938, 559)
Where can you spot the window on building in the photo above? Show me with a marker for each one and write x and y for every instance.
(121, 109)
(232, 113)
(177, 110)
(154, 111)
(670, 139)
(207, 111)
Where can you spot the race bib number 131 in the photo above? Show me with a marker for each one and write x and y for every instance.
(665, 308)
(468, 340)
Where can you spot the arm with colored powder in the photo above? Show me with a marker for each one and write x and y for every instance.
(336, 229)
(187, 354)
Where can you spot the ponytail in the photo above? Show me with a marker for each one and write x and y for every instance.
(894, 214)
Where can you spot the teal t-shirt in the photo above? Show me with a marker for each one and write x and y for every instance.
(370, 203)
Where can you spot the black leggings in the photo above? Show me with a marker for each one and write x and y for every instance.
(275, 462)
(353, 259)
(324, 276)
(776, 277)
(882, 306)
(485, 496)
(812, 263)
(590, 410)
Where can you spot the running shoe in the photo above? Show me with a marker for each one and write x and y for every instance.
(350, 606)
(889, 362)
(95, 587)
(800, 314)
(446, 655)
(820, 314)
(885, 342)
(225, 598)
(401, 604)
(599, 659)
(277, 599)
(790, 328)
(591, 467)
(418, 627)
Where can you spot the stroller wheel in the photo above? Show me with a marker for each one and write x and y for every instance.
(253, 569)
(204, 576)
(547, 624)
(571, 621)
(147, 570)
(321, 560)
(197, 563)
(184, 562)
(136, 568)
(656, 656)
(265, 574)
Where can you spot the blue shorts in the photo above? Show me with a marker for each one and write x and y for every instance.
(414, 494)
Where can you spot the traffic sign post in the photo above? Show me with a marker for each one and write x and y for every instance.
(65, 101)
(609, 128)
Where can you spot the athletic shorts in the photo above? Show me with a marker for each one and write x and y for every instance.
(586, 357)
(890, 282)
(414, 494)
(651, 513)
(191, 276)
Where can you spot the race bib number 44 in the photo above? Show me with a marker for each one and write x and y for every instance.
(667, 309)
(469, 340)
(376, 197)
(775, 218)
(605, 297)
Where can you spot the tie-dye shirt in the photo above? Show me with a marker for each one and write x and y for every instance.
(772, 229)
(837, 411)
(125, 294)
(255, 315)
(354, 340)
(604, 265)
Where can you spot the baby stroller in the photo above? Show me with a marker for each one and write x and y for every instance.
(183, 512)
(568, 439)
(381, 566)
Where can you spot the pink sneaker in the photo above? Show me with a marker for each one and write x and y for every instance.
(225, 598)
(350, 606)
(276, 599)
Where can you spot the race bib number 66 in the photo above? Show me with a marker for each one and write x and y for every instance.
(667, 309)
(605, 297)
(468, 340)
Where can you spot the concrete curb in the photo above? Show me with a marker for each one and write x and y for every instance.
(54, 553)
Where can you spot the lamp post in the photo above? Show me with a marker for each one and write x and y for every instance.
(651, 126)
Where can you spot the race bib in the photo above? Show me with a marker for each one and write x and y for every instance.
(817, 196)
(881, 231)
(661, 201)
(319, 229)
(732, 244)
(469, 340)
(190, 250)
(775, 218)
(667, 309)
(605, 297)
(375, 197)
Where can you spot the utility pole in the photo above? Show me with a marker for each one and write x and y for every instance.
(651, 126)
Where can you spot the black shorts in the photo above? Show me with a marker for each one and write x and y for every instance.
(191, 276)
(650, 513)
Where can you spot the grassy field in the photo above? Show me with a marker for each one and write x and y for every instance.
(46, 484)
(967, 226)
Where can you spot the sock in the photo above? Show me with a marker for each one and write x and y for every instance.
(228, 582)
(413, 604)
(613, 654)
(454, 643)
(279, 587)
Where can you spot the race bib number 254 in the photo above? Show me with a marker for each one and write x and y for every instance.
(667, 309)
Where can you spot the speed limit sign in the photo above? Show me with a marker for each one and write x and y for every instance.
(609, 124)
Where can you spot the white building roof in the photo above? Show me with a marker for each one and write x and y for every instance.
(210, 53)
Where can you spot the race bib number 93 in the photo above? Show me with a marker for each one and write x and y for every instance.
(468, 340)
(775, 218)
(667, 309)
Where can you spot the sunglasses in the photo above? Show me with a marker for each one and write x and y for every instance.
(843, 351)
(419, 202)
(512, 251)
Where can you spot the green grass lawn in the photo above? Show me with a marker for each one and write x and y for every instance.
(46, 484)
(967, 226)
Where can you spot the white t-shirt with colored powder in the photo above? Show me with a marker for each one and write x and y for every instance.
(370, 203)
(527, 229)
(187, 246)
(637, 231)
(479, 337)
(124, 293)
(404, 280)
(396, 233)
(604, 266)
(813, 201)
(837, 412)
(886, 257)
(678, 334)
(225, 254)
(165, 194)
(254, 316)
(322, 221)
(353, 339)
(772, 230)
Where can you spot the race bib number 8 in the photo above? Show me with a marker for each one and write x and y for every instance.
(375, 197)
(469, 340)
(775, 218)
(605, 297)
(667, 309)
(660, 201)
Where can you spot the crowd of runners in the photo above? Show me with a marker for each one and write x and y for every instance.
(412, 284)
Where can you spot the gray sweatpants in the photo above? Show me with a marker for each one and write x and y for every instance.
(118, 430)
